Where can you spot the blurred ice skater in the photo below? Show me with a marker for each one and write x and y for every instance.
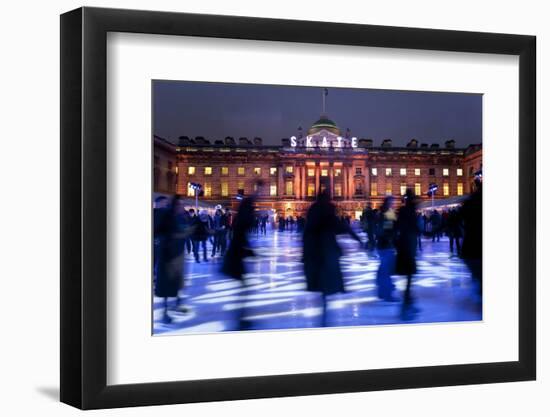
(322, 253)
(407, 237)
(239, 247)
(385, 235)
(172, 226)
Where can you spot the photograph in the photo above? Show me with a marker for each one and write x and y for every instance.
(298, 207)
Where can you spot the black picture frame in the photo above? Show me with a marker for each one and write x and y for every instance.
(84, 207)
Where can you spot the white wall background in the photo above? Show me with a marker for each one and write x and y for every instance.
(29, 225)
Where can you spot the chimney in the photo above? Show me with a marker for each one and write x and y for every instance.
(257, 141)
(184, 140)
(413, 143)
(386, 143)
(200, 140)
(365, 143)
(450, 144)
(229, 141)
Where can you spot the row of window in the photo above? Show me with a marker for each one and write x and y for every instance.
(207, 189)
(289, 189)
(417, 189)
(191, 170)
(417, 172)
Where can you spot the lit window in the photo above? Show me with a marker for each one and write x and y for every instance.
(459, 189)
(240, 187)
(191, 170)
(240, 171)
(289, 169)
(445, 188)
(358, 171)
(225, 189)
(257, 171)
(207, 189)
(374, 172)
(337, 172)
(403, 171)
(388, 172)
(311, 190)
(324, 173)
(403, 188)
(417, 188)
(225, 171)
(207, 170)
(311, 172)
(388, 188)
(417, 171)
(273, 171)
(459, 172)
(190, 190)
(373, 189)
(273, 190)
(445, 172)
(338, 190)
(289, 188)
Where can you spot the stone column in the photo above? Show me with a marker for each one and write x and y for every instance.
(331, 174)
(303, 179)
(280, 182)
(350, 182)
(317, 182)
(344, 182)
(297, 186)
(366, 186)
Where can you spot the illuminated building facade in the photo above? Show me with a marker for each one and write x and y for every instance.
(352, 170)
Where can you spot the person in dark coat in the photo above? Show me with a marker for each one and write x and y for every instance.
(201, 232)
(420, 226)
(454, 228)
(281, 223)
(169, 280)
(160, 211)
(263, 224)
(368, 222)
(239, 248)
(300, 224)
(321, 255)
(407, 233)
(472, 249)
(436, 223)
(385, 236)
(220, 233)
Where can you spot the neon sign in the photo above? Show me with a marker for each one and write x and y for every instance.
(324, 143)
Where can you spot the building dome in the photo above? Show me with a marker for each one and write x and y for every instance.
(324, 123)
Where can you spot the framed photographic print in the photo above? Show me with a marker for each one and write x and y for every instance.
(257, 208)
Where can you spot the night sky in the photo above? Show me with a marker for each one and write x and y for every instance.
(217, 110)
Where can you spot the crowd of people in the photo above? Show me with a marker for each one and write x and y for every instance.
(431, 224)
(394, 236)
